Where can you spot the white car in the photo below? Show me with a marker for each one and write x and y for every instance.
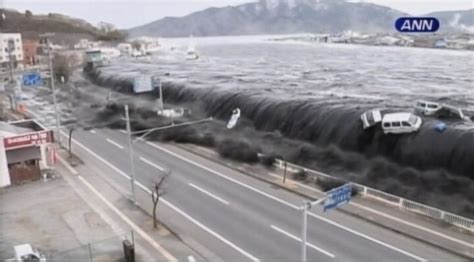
(427, 108)
(370, 118)
(398, 123)
(26, 252)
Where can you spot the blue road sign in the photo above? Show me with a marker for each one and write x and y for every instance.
(32, 79)
(337, 197)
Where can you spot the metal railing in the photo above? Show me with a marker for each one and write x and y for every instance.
(393, 200)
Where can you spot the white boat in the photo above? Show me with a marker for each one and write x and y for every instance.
(192, 54)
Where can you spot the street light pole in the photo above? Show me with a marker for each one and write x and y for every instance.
(53, 90)
(130, 150)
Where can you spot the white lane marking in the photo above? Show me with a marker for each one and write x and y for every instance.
(209, 193)
(414, 225)
(123, 131)
(199, 224)
(136, 228)
(72, 170)
(93, 131)
(114, 143)
(152, 164)
(208, 230)
(285, 203)
(191, 259)
(459, 241)
(158, 247)
(367, 237)
(223, 176)
(329, 254)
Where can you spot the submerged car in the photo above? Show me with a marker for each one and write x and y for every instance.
(427, 108)
(370, 118)
(398, 123)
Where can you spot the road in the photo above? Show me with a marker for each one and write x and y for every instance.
(240, 218)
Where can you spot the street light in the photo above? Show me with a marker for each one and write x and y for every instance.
(145, 133)
(56, 109)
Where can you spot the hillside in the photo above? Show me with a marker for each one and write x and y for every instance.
(66, 29)
(276, 17)
(462, 20)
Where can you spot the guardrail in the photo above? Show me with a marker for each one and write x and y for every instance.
(393, 200)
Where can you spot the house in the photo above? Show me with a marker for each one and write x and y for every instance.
(440, 43)
(30, 52)
(25, 151)
(125, 48)
(86, 44)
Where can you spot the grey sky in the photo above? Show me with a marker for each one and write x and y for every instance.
(129, 13)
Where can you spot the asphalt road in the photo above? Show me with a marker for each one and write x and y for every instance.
(241, 218)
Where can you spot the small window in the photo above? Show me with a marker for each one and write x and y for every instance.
(406, 124)
(396, 124)
(432, 106)
(422, 104)
(386, 124)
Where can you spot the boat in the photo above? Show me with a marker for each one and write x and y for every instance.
(192, 54)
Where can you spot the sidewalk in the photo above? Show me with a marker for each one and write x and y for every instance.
(51, 216)
(109, 194)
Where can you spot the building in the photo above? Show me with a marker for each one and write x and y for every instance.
(25, 151)
(30, 52)
(7, 41)
(125, 48)
(86, 44)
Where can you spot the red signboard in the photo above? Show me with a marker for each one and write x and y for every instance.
(30, 139)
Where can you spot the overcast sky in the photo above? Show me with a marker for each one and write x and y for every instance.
(130, 13)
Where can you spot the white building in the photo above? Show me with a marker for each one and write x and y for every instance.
(125, 48)
(86, 44)
(17, 52)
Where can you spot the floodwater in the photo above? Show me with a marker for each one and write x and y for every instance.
(303, 102)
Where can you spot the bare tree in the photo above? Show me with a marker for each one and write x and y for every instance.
(158, 191)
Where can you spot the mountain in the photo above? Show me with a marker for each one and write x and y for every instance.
(276, 17)
(461, 21)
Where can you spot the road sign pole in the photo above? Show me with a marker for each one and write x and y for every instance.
(130, 149)
(160, 102)
(304, 231)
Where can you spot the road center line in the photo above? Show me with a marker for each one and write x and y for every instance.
(145, 189)
(151, 164)
(286, 203)
(209, 194)
(299, 240)
(114, 143)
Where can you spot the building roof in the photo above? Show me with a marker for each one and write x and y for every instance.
(7, 129)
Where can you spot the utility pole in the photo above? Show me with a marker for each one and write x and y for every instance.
(56, 108)
(130, 150)
(11, 48)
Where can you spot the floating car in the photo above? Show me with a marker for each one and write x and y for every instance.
(398, 123)
(427, 108)
(370, 118)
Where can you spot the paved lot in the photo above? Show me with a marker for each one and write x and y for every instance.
(51, 216)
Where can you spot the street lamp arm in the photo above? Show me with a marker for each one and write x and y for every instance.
(146, 132)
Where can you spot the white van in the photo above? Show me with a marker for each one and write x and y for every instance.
(397, 123)
(370, 118)
(427, 108)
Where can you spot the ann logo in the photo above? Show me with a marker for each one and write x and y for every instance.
(417, 24)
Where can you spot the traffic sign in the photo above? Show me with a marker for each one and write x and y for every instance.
(32, 79)
(338, 196)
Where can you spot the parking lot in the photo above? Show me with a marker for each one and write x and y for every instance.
(52, 217)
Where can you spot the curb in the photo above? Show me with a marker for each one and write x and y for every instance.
(412, 236)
